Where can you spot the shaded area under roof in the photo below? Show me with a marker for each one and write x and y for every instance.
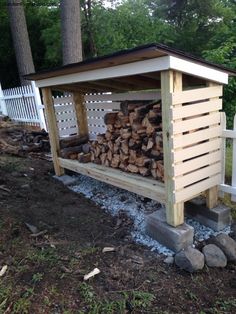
(139, 53)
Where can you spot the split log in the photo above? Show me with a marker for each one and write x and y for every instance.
(73, 141)
(110, 117)
(70, 151)
(84, 158)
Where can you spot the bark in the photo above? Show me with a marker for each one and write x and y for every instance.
(20, 39)
(71, 31)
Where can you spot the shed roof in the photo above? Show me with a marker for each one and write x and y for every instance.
(145, 59)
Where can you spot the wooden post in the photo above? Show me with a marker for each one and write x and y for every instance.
(170, 82)
(81, 113)
(52, 129)
(212, 193)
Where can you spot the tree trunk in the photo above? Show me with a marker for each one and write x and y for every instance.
(20, 39)
(71, 31)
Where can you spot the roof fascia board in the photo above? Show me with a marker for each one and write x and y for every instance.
(139, 67)
(193, 68)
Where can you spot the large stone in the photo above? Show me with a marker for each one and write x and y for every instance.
(190, 259)
(175, 238)
(216, 218)
(214, 256)
(227, 245)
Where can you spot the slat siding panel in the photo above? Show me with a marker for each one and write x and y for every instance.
(193, 138)
(65, 116)
(64, 108)
(197, 175)
(67, 132)
(96, 121)
(195, 189)
(197, 163)
(196, 94)
(103, 105)
(67, 124)
(124, 96)
(196, 109)
(196, 123)
(97, 129)
(62, 100)
(197, 150)
(99, 114)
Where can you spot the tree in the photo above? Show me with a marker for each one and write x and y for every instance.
(71, 31)
(20, 39)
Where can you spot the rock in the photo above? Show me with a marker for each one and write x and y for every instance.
(214, 256)
(169, 260)
(190, 259)
(227, 245)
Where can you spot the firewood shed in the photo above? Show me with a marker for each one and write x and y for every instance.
(191, 92)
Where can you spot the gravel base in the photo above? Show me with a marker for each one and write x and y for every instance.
(114, 200)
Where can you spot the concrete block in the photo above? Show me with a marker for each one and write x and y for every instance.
(65, 179)
(216, 218)
(175, 238)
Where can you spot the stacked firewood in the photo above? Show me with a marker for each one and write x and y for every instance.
(133, 140)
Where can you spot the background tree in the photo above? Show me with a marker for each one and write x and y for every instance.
(20, 39)
(71, 31)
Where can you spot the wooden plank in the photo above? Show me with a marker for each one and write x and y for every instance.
(52, 129)
(193, 138)
(223, 153)
(65, 108)
(197, 163)
(81, 113)
(67, 124)
(68, 132)
(233, 197)
(195, 189)
(152, 95)
(196, 123)
(196, 109)
(197, 175)
(229, 134)
(174, 212)
(228, 189)
(146, 187)
(97, 129)
(103, 105)
(196, 150)
(196, 94)
(66, 116)
(63, 100)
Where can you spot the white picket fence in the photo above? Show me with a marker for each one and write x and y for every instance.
(23, 104)
(230, 134)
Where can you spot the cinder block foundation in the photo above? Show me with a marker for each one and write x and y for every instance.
(65, 179)
(216, 218)
(175, 238)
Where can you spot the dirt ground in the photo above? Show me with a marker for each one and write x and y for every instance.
(45, 274)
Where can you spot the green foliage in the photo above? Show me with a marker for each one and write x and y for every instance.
(136, 299)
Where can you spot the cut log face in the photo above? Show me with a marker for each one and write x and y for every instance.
(133, 140)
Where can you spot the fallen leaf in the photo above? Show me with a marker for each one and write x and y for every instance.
(31, 228)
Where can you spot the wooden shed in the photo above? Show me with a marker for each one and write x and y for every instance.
(191, 94)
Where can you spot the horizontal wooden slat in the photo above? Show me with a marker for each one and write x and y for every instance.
(66, 124)
(66, 116)
(196, 94)
(99, 121)
(66, 132)
(64, 108)
(192, 138)
(196, 123)
(229, 134)
(227, 188)
(125, 96)
(197, 163)
(195, 109)
(196, 150)
(97, 129)
(103, 105)
(63, 100)
(146, 187)
(183, 181)
(99, 114)
(193, 190)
